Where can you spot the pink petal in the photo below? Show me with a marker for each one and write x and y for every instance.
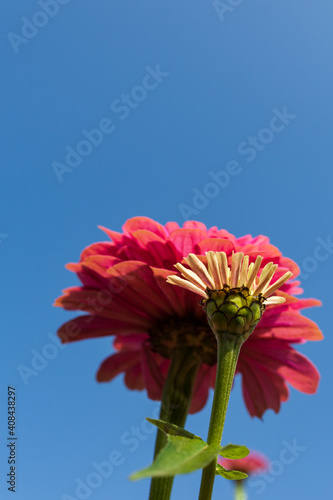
(134, 377)
(280, 358)
(185, 240)
(153, 377)
(90, 326)
(290, 326)
(139, 289)
(245, 240)
(290, 265)
(131, 251)
(181, 302)
(129, 342)
(201, 389)
(116, 364)
(265, 364)
(192, 224)
(291, 303)
(158, 251)
(98, 249)
(260, 240)
(103, 303)
(93, 270)
(116, 237)
(262, 389)
(268, 252)
(171, 226)
(216, 245)
(213, 232)
(136, 223)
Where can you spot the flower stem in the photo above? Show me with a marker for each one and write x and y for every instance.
(176, 401)
(240, 493)
(228, 348)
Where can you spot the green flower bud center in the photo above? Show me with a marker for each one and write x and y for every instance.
(233, 311)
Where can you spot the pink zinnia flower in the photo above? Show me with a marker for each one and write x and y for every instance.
(254, 463)
(125, 292)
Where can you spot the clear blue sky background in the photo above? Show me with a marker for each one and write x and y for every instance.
(223, 79)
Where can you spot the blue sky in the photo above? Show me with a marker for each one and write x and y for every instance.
(182, 93)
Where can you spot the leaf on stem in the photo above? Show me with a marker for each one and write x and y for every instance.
(185, 452)
(172, 429)
(234, 451)
(180, 455)
(230, 474)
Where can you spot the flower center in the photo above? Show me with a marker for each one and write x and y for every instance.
(179, 334)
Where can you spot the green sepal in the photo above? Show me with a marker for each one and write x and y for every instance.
(234, 451)
(230, 474)
(172, 429)
(180, 455)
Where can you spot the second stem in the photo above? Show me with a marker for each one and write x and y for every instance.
(176, 401)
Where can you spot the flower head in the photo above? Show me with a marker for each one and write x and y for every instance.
(254, 463)
(234, 298)
(124, 294)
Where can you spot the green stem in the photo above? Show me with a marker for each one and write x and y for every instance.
(240, 493)
(228, 348)
(176, 401)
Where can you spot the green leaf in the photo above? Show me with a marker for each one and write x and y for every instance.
(185, 452)
(180, 455)
(230, 474)
(234, 451)
(172, 429)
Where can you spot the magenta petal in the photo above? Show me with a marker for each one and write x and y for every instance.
(215, 245)
(297, 370)
(139, 289)
(265, 364)
(178, 300)
(117, 238)
(290, 265)
(93, 270)
(158, 251)
(192, 224)
(201, 389)
(153, 377)
(98, 249)
(261, 389)
(137, 223)
(102, 303)
(129, 342)
(90, 326)
(171, 226)
(134, 377)
(214, 232)
(116, 364)
(185, 240)
(289, 325)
